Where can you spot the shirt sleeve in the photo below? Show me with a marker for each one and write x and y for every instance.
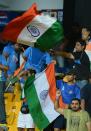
(66, 112)
(87, 117)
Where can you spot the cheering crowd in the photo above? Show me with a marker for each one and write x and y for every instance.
(73, 82)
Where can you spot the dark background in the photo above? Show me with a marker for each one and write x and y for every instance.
(76, 11)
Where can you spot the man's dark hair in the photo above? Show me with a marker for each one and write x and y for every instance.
(76, 99)
(82, 42)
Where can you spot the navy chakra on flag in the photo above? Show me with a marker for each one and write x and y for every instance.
(43, 94)
(33, 30)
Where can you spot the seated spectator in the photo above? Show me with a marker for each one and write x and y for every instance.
(80, 61)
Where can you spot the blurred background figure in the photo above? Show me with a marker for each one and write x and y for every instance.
(86, 35)
(86, 96)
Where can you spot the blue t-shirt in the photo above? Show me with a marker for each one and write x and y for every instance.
(36, 59)
(13, 58)
(3, 73)
(68, 92)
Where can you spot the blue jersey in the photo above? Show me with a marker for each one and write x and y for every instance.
(3, 73)
(68, 92)
(36, 59)
(13, 58)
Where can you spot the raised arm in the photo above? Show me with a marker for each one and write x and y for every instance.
(56, 104)
(64, 54)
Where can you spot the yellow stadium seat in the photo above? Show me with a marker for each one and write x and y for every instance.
(12, 105)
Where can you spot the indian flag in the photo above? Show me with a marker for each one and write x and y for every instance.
(40, 92)
(33, 27)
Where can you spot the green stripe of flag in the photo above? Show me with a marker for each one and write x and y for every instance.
(34, 105)
(51, 37)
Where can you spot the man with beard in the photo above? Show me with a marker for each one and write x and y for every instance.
(77, 119)
(69, 90)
